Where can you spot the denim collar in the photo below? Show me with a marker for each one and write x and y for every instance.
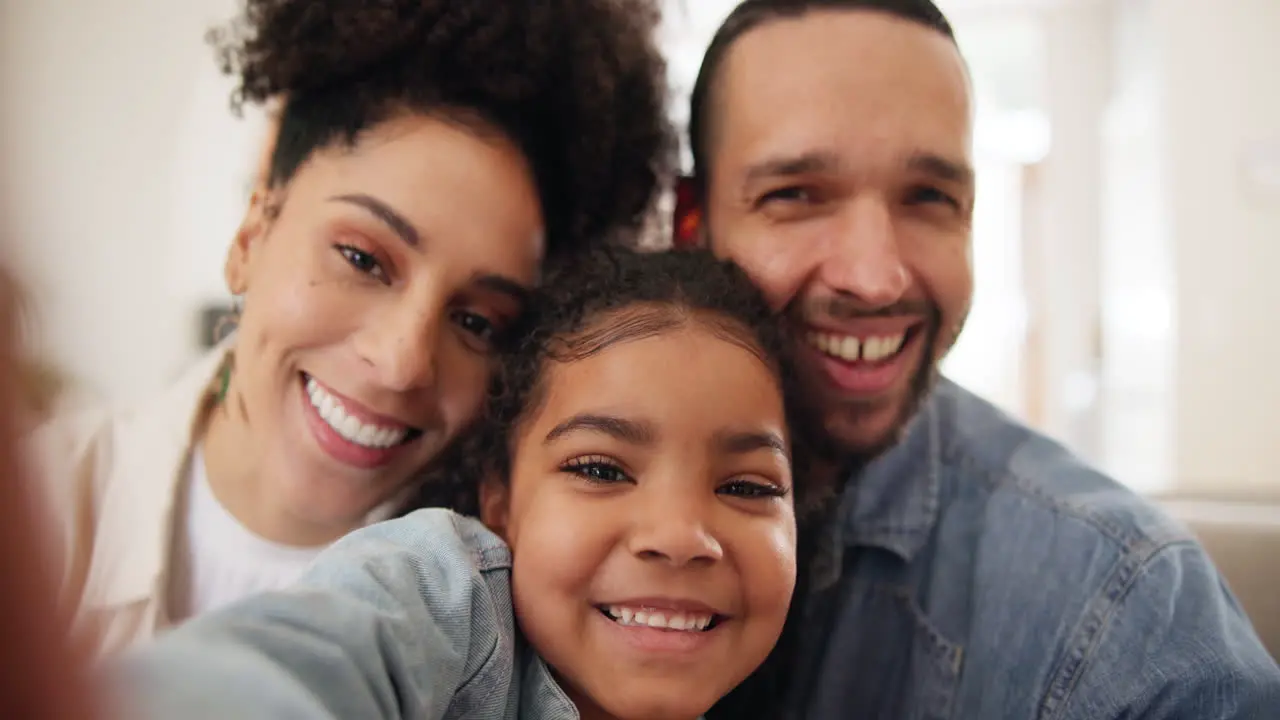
(540, 694)
(541, 697)
(892, 504)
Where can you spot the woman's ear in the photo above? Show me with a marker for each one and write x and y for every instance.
(252, 229)
(495, 505)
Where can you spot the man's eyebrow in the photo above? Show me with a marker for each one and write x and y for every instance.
(384, 212)
(632, 432)
(944, 169)
(791, 165)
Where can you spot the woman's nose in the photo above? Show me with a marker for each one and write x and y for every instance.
(403, 346)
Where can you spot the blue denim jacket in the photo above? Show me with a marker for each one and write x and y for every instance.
(411, 618)
(979, 571)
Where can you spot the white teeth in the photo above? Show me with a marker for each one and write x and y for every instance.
(848, 347)
(654, 619)
(351, 429)
(851, 348)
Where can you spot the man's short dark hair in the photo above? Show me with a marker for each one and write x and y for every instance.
(751, 14)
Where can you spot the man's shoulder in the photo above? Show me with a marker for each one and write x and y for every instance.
(1112, 585)
(1034, 480)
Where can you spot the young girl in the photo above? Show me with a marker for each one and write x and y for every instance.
(639, 529)
(428, 157)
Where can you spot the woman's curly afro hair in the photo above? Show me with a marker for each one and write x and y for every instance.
(578, 85)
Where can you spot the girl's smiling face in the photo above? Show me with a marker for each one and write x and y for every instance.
(649, 511)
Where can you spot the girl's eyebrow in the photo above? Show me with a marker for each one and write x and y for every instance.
(736, 442)
(634, 432)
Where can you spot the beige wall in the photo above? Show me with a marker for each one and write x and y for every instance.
(117, 169)
(122, 176)
(1221, 105)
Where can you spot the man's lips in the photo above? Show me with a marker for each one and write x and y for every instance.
(867, 361)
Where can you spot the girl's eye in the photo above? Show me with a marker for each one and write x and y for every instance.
(363, 262)
(751, 490)
(596, 470)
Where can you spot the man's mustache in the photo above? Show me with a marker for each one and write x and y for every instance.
(848, 308)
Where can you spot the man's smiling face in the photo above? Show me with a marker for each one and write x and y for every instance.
(838, 174)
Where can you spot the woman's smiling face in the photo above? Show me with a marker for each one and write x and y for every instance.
(650, 517)
(373, 282)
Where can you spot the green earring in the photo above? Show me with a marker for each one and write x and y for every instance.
(227, 326)
(224, 380)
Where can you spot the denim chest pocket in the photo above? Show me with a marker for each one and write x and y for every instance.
(885, 660)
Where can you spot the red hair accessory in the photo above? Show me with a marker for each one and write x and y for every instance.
(687, 220)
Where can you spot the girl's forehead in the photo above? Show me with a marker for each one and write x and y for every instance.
(689, 375)
(643, 320)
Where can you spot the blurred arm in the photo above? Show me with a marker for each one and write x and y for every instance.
(395, 621)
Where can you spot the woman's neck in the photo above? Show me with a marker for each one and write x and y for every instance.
(232, 466)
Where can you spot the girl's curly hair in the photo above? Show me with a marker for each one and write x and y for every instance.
(613, 295)
(578, 85)
(608, 296)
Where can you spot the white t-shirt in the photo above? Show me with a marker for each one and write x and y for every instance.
(217, 560)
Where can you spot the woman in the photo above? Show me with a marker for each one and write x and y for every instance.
(430, 157)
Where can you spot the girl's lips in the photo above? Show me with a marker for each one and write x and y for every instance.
(657, 641)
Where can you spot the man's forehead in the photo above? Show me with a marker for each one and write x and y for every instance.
(843, 79)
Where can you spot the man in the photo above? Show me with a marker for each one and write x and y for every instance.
(975, 568)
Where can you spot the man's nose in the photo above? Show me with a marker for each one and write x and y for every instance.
(864, 257)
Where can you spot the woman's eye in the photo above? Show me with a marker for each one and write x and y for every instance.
(751, 489)
(598, 472)
(476, 324)
(363, 262)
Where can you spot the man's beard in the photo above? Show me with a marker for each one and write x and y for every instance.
(831, 450)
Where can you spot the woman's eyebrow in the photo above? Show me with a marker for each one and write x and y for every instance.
(398, 223)
(504, 285)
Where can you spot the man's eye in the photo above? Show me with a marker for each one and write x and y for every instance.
(930, 195)
(787, 194)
